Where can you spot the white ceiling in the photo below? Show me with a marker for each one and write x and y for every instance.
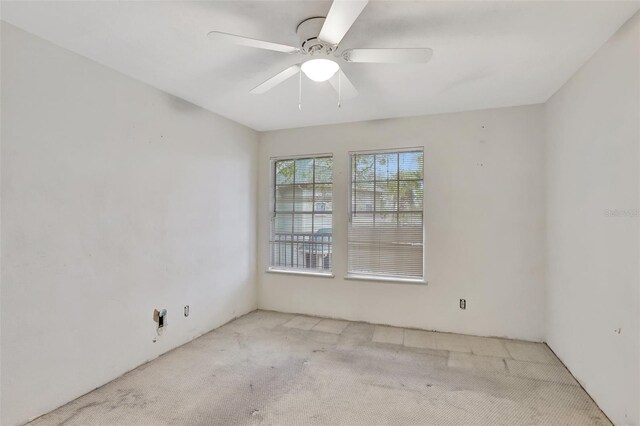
(486, 54)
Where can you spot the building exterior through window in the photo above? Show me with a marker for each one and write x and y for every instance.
(302, 223)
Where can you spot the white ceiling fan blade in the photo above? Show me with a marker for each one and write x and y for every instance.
(343, 85)
(276, 79)
(388, 56)
(251, 42)
(342, 15)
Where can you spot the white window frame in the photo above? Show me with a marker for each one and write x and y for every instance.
(383, 277)
(272, 201)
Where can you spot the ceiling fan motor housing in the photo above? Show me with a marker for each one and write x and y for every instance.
(308, 31)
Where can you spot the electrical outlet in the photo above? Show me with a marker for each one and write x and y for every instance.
(186, 310)
(463, 303)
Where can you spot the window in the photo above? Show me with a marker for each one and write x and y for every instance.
(386, 214)
(302, 228)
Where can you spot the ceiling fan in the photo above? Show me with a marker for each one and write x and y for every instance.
(319, 40)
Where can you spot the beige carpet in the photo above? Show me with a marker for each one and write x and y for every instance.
(280, 369)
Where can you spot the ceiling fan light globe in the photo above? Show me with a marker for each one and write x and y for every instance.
(320, 69)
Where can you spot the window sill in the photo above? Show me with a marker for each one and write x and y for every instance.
(304, 273)
(376, 278)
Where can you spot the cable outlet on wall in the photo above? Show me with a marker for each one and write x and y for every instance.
(463, 303)
(160, 316)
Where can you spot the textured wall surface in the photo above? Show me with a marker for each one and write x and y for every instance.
(593, 289)
(484, 224)
(116, 199)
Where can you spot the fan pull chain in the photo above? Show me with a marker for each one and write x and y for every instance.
(300, 90)
(339, 89)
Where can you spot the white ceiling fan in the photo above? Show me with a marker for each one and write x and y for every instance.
(319, 40)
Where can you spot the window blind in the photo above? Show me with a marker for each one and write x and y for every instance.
(302, 228)
(385, 232)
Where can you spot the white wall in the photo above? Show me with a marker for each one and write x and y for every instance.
(484, 221)
(116, 199)
(593, 131)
